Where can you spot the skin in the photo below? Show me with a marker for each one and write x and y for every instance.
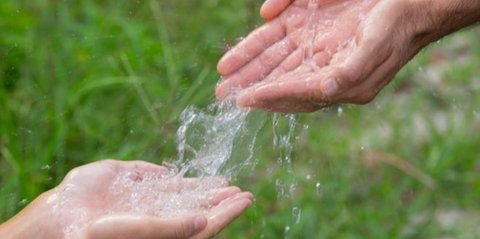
(87, 188)
(333, 51)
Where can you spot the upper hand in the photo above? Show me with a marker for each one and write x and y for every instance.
(335, 51)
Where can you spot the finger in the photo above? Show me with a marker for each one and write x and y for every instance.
(233, 199)
(258, 68)
(143, 227)
(273, 8)
(220, 195)
(213, 197)
(288, 64)
(321, 58)
(291, 94)
(255, 43)
(225, 213)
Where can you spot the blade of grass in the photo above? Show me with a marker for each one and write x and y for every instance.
(140, 90)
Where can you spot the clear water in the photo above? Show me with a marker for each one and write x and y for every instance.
(163, 196)
(310, 33)
(217, 141)
(208, 141)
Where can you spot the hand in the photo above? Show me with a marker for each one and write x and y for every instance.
(312, 53)
(114, 199)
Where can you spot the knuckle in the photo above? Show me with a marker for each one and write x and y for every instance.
(260, 37)
(266, 60)
(348, 77)
(179, 233)
(182, 231)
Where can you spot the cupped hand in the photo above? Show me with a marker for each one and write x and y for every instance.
(115, 199)
(312, 53)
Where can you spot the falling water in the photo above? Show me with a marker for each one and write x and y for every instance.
(207, 140)
(283, 144)
(217, 141)
(310, 34)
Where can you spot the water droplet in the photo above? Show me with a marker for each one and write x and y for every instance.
(318, 187)
(292, 189)
(296, 214)
(280, 187)
(340, 111)
(46, 167)
(23, 202)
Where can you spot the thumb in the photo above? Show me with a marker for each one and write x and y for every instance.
(145, 227)
(272, 8)
(180, 228)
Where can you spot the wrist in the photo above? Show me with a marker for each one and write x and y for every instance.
(34, 221)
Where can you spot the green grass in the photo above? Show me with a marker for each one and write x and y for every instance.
(88, 80)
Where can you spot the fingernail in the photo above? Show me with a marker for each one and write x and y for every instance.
(331, 87)
(199, 223)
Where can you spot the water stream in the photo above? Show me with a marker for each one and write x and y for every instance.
(209, 139)
(217, 141)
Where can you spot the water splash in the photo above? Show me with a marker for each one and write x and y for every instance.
(214, 145)
(217, 142)
(160, 195)
(163, 195)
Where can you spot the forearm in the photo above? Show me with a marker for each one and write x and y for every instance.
(35, 221)
(443, 17)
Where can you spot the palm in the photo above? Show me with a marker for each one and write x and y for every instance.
(283, 65)
(101, 191)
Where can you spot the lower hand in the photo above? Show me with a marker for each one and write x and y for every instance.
(114, 199)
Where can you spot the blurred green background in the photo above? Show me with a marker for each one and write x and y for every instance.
(87, 80)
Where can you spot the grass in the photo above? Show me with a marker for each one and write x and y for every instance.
(88, 80)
